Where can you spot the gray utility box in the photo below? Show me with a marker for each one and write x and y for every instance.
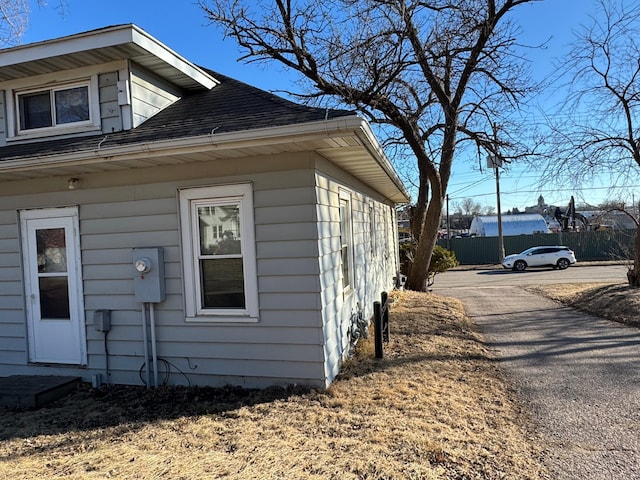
(102, 320)
(148, 275)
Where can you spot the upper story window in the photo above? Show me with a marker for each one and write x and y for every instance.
(53, 107)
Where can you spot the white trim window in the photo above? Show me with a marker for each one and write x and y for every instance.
(372, 228)
(219, 270)
(55, 107)
(346, 241)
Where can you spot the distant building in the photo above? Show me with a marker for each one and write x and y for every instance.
(524, 224)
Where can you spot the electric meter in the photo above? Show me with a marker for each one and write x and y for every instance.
(148, 277)
(143, 265)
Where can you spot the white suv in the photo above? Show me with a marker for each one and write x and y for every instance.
(544, 256)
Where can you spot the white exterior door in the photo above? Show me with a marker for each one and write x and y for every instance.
(53, 286)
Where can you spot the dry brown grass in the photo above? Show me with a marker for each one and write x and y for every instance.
(436, 407)
(617, 302)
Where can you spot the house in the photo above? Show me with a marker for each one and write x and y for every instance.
(163, 223)
(523, 224)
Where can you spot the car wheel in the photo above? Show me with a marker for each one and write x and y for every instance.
(519, 266)
(562, 263)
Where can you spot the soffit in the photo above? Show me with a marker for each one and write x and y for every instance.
(347, 152)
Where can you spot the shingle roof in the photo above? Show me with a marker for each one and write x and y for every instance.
(229, 107)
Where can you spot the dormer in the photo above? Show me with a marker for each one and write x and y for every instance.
(97, 82)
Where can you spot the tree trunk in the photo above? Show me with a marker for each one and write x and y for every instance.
(419, 211)
(633, 275)
(419, 275)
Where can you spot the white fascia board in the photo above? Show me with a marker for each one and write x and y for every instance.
(65, 45)
(158, 49)
(97, 39)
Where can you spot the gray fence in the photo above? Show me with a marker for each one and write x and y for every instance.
(588, 246)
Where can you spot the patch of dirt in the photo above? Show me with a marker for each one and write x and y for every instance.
(436, 407)
(617, 302)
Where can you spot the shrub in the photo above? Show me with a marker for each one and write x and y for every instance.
(441, 260)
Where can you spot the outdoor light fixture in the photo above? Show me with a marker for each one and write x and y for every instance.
(73, 183)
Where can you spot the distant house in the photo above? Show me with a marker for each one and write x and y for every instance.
(247, 233)
(487, 226)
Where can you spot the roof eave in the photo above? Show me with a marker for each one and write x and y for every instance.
(120, 41)
(326, 129)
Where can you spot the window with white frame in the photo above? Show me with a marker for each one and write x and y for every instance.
(372, 228)
(218, 243)
(54, 107)
(346, 242)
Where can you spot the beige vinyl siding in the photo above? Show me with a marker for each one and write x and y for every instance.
(110, 118)
(13, 344)
(149, 94)
(373, 272)
(285, 346)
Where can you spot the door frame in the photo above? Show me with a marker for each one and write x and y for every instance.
(74, 271)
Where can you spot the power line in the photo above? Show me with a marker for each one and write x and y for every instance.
(521, 192)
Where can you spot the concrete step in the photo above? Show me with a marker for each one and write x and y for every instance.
(34, 391)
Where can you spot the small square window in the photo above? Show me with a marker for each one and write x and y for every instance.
(53, 107)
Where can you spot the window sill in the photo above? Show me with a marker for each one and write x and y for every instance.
(45, 135)
(220, 319)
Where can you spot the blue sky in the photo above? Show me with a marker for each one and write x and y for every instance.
(181, 25)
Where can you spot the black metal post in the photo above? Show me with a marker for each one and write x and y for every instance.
(377, 329)
(385, 317)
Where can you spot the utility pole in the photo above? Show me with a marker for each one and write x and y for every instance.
(495, 161)
(500, 236)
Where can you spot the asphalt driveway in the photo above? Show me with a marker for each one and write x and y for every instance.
(579, 375)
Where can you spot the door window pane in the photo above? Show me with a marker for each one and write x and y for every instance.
(35, 110)
(222, 283)
(72, 105)
(52, 250)
(54, 298)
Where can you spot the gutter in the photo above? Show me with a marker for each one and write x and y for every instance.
(184, 145)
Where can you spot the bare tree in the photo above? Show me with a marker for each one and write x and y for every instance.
(600, 129)
(14, 16)
(14, 19)
(470, 208)
(489, 210)
(431, 73)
